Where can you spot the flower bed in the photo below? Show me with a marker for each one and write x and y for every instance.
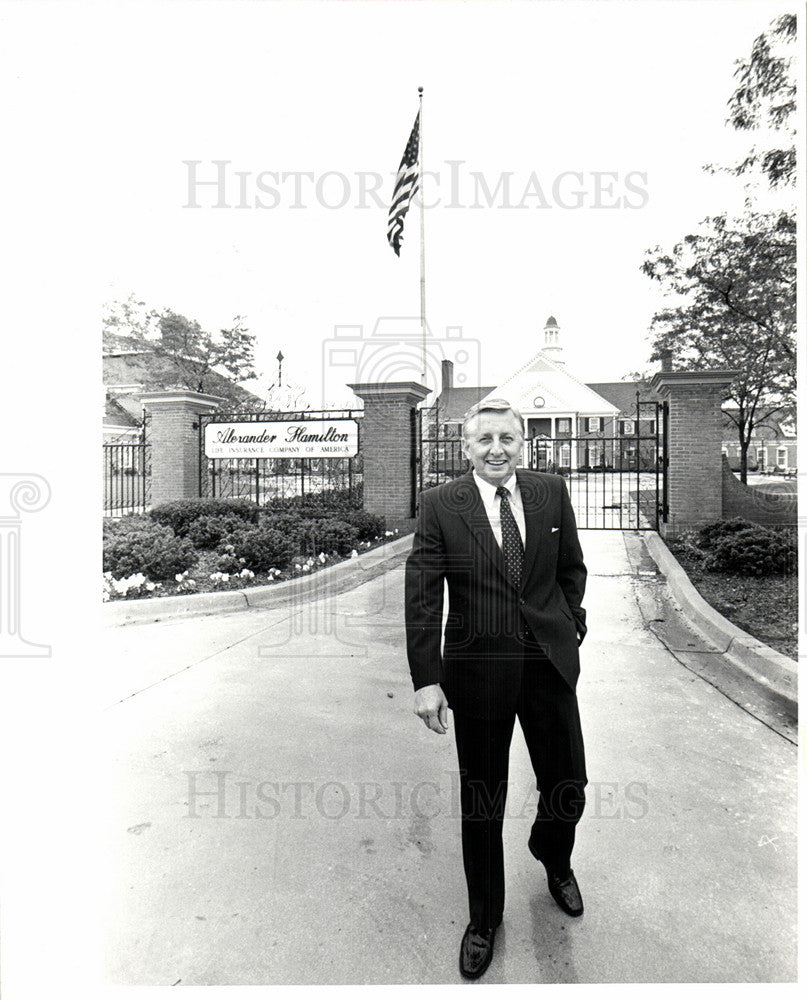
(197, 546)
(749, 575)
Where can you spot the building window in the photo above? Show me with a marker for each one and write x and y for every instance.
(594, 425)
(564, 425)
(761, 458)
(651, 426)
(781, 458)
(626, 427)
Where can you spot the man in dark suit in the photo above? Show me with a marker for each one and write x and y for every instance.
(506, 543)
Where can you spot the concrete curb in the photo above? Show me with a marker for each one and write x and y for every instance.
(333, 580)
(762, 665)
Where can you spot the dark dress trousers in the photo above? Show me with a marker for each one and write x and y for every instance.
(506, 652)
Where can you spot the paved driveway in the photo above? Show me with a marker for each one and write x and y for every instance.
(276, 814)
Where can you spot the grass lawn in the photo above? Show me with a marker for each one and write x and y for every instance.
(764, 606)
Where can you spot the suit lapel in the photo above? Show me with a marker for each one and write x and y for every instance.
(534, 500)
(472, 511)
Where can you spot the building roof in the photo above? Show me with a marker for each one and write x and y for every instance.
(561, 391)
(623, 394)
(149, 372)
(116, 415)
(778, 427)
(551, 321)
(454, 403)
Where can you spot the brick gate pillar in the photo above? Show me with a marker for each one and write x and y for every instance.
(695, 470)
(174, 440)
(387, 446)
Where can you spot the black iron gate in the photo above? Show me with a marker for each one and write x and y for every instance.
(265, 479)
(615, 481)
(127, 474)
(438, 450)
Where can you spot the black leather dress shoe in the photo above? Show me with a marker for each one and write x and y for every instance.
(563, 886)
(566, 893)
(476, 951)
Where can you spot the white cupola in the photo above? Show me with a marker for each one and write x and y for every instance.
(552, 345)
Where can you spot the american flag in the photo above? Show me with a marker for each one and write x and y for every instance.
(406, 183)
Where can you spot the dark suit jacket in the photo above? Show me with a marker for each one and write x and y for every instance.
(490, 623)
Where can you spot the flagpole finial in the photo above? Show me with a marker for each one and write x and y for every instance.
(420, 90)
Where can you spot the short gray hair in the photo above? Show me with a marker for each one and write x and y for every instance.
(492, 406)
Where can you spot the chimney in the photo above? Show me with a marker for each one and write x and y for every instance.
(666, 359)
(448, 374)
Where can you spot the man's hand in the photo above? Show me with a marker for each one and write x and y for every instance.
(432, 707)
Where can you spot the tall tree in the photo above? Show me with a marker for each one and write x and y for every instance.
(765, 99)
(192, 352)
(736, 283)
(196, 353)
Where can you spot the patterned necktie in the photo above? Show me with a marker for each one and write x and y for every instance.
(512, 546)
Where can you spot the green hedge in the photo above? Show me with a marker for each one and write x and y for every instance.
(740, 546)
(262, 549)
(132, 546)
(180, 514)
(166, 541)
(753, 551)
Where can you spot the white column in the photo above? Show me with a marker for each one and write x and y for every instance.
(19, 493)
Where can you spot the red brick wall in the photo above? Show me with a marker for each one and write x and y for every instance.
(387, 457)
(695, 441)
(769, 509)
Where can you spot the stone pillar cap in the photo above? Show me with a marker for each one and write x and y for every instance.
(707, 377)
(188, 397)
(389, 390)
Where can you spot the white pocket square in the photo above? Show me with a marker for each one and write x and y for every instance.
(556, 529)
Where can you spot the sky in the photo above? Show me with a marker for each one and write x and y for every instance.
(633, 92)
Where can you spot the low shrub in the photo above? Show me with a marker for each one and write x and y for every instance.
(754, 551)
(207, 531)
(711, 534)
(368, 526)
(319, 504)
(181, 514)
(151, 549)
(289, 524)
(328, 535)
(114, 526)
(258, 549)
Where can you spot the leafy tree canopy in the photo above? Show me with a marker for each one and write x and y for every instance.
(765, 98)
(192, 351)
(735, 283)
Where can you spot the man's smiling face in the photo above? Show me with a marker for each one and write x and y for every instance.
(493, 442)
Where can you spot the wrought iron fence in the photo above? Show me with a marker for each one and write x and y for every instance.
(127, 476)
(265, 479)
(614, 482)
(439, 456)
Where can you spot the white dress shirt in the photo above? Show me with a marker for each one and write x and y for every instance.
(493, 506)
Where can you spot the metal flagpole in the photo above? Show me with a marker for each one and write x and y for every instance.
(422, 244)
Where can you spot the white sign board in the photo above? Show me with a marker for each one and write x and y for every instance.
(283, 439)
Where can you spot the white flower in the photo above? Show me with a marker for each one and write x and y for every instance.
(322, 557)
(387, 534)
(354, 554)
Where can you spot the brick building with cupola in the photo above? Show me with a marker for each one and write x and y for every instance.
(568, 423)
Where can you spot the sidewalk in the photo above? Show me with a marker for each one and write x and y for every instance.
(277, 814)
